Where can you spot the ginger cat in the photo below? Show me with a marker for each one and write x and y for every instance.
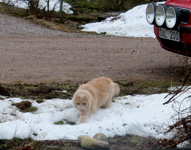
(93, 95)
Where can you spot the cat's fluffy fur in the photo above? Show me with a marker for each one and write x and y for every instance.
(93, 95)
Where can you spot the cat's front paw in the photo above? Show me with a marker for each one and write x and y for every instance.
(82, 119)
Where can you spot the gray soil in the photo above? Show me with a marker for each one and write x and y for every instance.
(33, 54)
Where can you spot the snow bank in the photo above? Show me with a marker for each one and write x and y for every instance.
(131, 24)
(139, 115)
(54, 4)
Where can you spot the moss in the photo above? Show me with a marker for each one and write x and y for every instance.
(39, 91)
(145, 87)
(133, 141)
(64, 122)
(59, 123)
(17, 12)
(70, 123)
(15, 143)
(43, 91)
(31, 109)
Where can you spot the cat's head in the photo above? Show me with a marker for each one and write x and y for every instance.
(82, 101)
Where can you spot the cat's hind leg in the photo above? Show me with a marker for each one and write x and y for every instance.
(107, 104)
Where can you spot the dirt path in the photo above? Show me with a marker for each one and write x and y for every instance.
(30, 53)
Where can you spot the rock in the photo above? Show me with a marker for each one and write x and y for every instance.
(23, 105)
(91, 143)
(105, 15)
(109, 67)
(100, 136)
(88, 142)
(80, 138)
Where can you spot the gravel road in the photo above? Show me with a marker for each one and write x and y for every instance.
(31, 53)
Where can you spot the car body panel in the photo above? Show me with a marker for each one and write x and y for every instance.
(180, 3)
(183, 47)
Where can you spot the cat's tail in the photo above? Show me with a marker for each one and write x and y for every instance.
(116, 89)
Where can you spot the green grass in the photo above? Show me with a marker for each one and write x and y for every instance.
(31, 109)
(145, 87)
(38, 91)
(17, 12)
(42, 91)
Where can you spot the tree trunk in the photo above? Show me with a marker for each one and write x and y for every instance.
(48, 5)
(61, 6)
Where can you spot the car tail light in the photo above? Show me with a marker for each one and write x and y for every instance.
(160, 15)
(150, 13)
(172, 17)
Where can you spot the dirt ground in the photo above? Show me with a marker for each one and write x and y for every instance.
(33, 54)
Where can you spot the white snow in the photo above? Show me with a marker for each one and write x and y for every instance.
(130, 24)
(143, 115)
(54, 4)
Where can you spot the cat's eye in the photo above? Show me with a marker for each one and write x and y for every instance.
(84, 104)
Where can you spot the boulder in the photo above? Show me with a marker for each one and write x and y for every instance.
(99, 141)
(91, 143)
(100, 136)
(80, 138)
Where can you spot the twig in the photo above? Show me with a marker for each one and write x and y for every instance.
(186, 77)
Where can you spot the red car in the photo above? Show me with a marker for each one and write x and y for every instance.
(172, 24)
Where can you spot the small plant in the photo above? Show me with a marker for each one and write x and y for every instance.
(59, 122)
(64, 122)
(31, 109)
(25, 106)
(181, 129)
(16, 144)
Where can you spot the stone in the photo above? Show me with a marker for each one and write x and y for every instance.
(80, 138)
(88, 142)
(23, 105)
(91, 143)
(100, 136)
